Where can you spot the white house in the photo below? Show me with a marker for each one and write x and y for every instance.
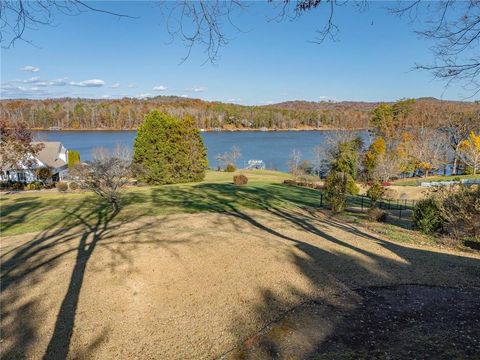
(53, 156)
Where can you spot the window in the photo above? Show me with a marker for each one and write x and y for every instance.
(21, 176)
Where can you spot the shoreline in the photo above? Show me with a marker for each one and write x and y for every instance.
(207, 130)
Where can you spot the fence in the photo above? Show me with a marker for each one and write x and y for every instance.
(401, 208)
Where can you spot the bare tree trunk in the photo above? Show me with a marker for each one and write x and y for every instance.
(455, 165)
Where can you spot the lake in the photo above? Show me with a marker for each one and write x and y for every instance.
(273, 147)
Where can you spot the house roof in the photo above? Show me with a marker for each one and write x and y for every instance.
(49, 155)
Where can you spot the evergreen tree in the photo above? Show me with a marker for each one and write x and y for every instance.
(73, 158)
(168, 150)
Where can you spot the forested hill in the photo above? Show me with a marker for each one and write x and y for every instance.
(127, 113)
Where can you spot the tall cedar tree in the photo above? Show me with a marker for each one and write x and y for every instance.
(73, 158)
(168, 150)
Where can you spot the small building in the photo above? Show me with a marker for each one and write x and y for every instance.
(255, 165)
(53, 155)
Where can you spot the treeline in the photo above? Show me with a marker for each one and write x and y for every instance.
(128, 113)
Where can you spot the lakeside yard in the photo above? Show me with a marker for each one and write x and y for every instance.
(209, 270)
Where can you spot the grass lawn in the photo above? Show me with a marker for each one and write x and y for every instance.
(417, 181)
(212, 270)
(35, 210)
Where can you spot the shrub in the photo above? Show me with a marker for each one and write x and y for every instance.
(375, 193)
(43, 173)
(375, 214)
(168, 150)
(17, 185)
(426, 216)
(73, 185)
(36, 185)
(240, 179)
(337, 186)
(459, 210)
(230, 168)
(290, 182)
(61, 186)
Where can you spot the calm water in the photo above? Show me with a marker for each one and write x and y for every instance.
(272, 147)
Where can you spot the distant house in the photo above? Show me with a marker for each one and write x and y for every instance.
(53, 156)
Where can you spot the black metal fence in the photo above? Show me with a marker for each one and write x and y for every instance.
(401, 207)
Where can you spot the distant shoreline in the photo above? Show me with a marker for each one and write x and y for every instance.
(210, 130)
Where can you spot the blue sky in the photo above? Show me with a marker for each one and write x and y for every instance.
(100, 56)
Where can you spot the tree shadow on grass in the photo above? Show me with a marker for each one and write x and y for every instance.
(78, 232)
(336, 271)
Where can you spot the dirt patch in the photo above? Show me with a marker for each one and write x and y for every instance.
(393, 322)
(195, 286)
(402, 322)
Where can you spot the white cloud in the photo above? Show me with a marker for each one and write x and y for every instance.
(197, 89)
(234, 100)
(184, 95)
(160, 88)
(105, 96)
(58, 82)
(36, 81)
(31, 80)
(115, 86)
(88, 83)
(9, 91)
(131, 86)
(145, 95)
(30, 68)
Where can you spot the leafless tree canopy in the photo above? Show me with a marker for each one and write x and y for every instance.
(454, 26)
(201, 23)
(19, 16)
(106, 174)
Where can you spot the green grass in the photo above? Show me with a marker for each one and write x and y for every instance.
(394, 229)
(34, 211)
(418, 181)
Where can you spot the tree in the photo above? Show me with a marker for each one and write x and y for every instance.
(229, 158)
(318, 159)
(345, 156)
(374, 156)
(43, 173)
(106, 174)
(375, 193)
(294, 162)
(168, 150)
(388, 119)
(16, 148)
(337, 186)
(387, 166)
(470, 151)
(456, 130)
(73, 158)
(428, 149)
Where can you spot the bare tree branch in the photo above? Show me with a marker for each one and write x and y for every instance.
(18, 16)
(454, 26)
